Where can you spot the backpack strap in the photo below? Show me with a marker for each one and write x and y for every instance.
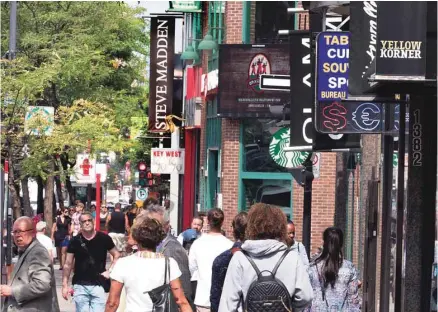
(274, 271)
(252, 262)
(235, 249)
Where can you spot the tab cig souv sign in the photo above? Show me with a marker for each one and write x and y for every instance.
(162, 42)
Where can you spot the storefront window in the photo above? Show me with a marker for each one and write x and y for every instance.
(256, 139)
(273, 192)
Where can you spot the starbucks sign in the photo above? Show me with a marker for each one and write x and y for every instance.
(280, 140)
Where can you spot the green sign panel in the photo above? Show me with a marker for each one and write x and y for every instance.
(280, 140)
(185, 6)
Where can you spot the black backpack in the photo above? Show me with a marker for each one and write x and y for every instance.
(267, 293)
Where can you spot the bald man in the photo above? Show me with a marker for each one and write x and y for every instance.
(32, 285)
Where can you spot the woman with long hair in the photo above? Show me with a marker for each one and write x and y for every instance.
(61, 232)
(265, 248)
(334, 280)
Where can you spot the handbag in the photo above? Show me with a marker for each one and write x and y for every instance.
(101, 280)
(160, 296)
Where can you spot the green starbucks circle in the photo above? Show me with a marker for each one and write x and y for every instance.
(279, 141)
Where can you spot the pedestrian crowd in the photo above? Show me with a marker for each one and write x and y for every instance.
(264, 268)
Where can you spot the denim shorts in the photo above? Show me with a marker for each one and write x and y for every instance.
(65, 242)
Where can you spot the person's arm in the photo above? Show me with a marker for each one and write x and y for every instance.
(108, 218)
(193, 265)
(353, 300)
(303, 295)
(66, 271)
(40, 278)
(54, 229)
(116, 255)
(232, 290)
(179, 296)
(114, 296)
(127, 227)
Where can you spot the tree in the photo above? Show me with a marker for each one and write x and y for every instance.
(68, 51)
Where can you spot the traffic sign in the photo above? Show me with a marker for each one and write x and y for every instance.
(39, 120)
(141, 194)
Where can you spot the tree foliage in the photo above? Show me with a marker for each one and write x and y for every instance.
(85, 59)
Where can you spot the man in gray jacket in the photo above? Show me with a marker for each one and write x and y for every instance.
(32, 285)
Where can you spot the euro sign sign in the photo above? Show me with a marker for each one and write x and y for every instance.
(367, 116)
(334, 117)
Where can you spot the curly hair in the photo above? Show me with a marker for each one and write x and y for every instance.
(266, 222)
(148, 233)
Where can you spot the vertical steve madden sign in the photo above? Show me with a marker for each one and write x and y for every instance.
(162, 42)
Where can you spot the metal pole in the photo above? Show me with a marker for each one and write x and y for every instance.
(400, 209)
(388, 148)
(307, 204)
(97, 221)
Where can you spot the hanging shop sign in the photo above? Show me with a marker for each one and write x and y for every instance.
(401, 39)
(283, 158)
(85, 169)
(332, 52)
(240, 68)
(210, 82)
(162, 42)
(185, 6)
(355, 117)
(167, 161)
(363, 45)
(39, 120)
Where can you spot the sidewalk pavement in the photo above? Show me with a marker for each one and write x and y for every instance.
(64, 305)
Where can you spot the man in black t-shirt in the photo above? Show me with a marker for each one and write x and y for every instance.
(89, 250)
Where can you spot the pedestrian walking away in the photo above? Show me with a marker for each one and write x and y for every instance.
(146, 273)
(220, 264)
(90, 281)
(202, 254)
(334, 279)
(116, 225)
(265, 250)
(32, 283)
(44, 239)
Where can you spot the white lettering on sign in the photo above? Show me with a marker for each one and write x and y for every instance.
(167, 161)
(370, 8)
(209, 81)
(400, 49)
(161, 80)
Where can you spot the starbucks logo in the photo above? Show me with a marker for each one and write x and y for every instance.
(280, 140)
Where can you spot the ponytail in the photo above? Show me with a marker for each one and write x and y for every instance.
(331, 255)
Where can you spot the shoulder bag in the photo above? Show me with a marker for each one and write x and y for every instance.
(101, 280)
(160, 296)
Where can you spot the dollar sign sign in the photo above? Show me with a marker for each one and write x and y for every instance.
(335, 115)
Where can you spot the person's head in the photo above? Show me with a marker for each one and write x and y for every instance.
(150, 201)
(148, 233)
(93, 208)
(41, 227)
(71, 210)
(87, 222)
(266, 222)
(79, 207)
(158, 213)
(215, 219)
(118, 207)
(65, 212)
(239, 226)
(133, 208)
(291, 231)
(103, 209)
(332, 254)
(23, 231)
(197, 224)
(58, 212)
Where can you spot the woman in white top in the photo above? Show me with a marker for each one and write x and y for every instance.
(143, 271)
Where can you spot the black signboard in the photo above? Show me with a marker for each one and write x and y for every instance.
(354, 117)
(240, 67)
(363, 45)
(401, 38)
(162, 42)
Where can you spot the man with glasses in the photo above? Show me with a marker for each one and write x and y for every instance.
(32, 284)
(89, 250)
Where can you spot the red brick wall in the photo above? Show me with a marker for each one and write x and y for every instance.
(230, 128)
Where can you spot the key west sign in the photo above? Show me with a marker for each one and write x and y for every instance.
(161, 71)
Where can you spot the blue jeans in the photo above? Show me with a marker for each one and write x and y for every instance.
(89, 298)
